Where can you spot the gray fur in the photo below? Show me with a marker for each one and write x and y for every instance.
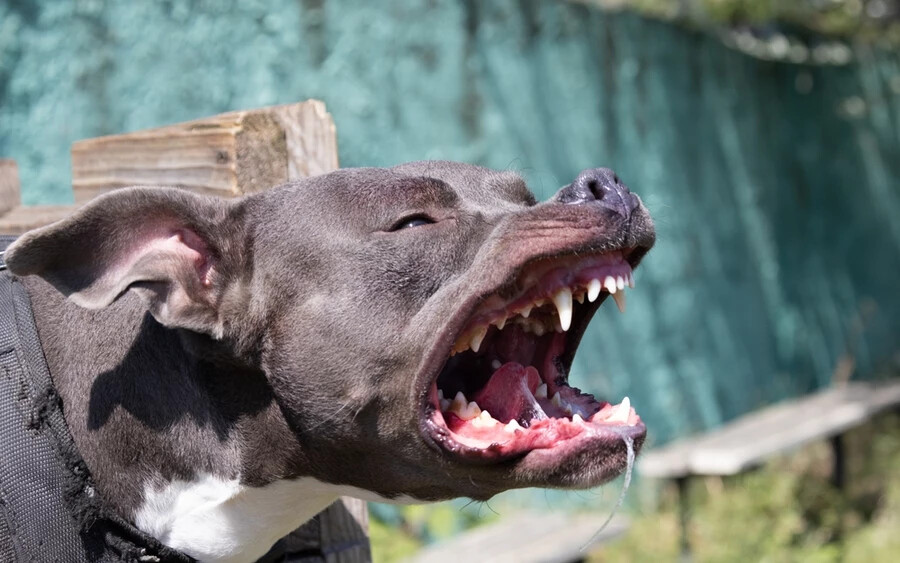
(283, 333)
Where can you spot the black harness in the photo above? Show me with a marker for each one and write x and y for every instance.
(49, 510)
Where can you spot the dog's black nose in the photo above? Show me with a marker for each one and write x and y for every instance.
(600, 185)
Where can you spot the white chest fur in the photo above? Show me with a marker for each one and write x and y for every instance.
(218, 520)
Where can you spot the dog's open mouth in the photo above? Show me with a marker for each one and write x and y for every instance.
(504, 392)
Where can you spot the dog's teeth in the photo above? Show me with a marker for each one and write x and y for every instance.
(579, 297)
(593, 290)
(500, 323)
(512, 426)
(556, 401)
(471, 411)
(484, 420)
(525, 311)
(610, 284)
(577, 418)
(459, 403)
(495, 365)
(620, 301)
(541, 391)
(620, 283)
(440, 394)
(569, 410)
(477, 338)
(445, 404)
(620, 413)
(630, 280)
(563, 302)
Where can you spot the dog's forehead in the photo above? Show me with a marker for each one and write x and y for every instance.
(471, 181)
(434, 180)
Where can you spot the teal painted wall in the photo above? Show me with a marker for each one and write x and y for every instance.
(774, 186)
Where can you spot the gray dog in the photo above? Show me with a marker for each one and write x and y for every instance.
(228, 368)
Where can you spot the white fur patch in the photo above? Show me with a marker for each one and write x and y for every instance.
(219, 520)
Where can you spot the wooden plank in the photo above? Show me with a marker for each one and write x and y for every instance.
(27, 217)
(527, 537)
(753, 438)
(229, 154)
(9, 185)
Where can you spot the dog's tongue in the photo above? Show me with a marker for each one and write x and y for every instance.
(509, 394)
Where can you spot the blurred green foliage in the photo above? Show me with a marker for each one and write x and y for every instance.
(869, 19)
(788, 511)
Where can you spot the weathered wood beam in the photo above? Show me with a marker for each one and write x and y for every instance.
(9, 185)
(15, 218)
(229, 154)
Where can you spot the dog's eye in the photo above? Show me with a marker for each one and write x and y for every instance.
(413, 221)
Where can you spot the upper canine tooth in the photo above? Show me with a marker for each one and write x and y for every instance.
(477, 337)
(541, 391)
(620, 283)
(563, 302)
(610, 284)
(593, 290)
(620, 301)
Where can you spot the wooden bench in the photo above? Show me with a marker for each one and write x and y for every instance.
(527, 537)
(752, 439)
(228, 155)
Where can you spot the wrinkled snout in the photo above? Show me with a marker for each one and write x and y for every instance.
(599, 186)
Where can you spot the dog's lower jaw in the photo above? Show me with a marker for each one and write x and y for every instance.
(220, 520)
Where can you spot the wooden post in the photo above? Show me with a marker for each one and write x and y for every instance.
(228, 155)
(9, 185)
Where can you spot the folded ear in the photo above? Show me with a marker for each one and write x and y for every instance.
(172, 247)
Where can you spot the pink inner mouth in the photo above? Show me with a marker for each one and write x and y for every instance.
(503, 390)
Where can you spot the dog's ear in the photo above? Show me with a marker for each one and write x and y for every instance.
(172, 247)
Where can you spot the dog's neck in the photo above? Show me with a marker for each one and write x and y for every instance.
(217, 472)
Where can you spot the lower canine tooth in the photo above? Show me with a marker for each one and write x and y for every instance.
(621, 412)
(593, 290)
(620, 301)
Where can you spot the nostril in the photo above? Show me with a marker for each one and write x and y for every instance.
(596, 188)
